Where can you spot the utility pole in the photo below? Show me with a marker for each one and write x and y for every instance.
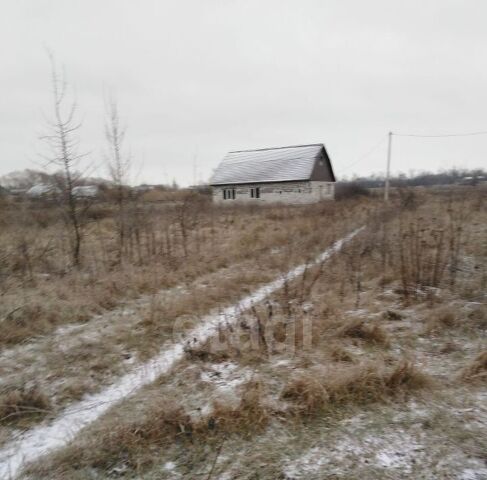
(388, 170)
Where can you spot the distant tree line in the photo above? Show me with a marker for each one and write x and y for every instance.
(447, 177)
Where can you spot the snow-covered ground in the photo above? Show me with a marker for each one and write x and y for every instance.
(396, 451)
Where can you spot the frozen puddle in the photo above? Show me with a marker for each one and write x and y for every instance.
(44, 439)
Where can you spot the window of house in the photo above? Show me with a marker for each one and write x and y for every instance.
(255, 192)
(228, 194)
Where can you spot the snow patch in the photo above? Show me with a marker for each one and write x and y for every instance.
(397, 450)
(226, 376)
(471, 474)
(169, 466)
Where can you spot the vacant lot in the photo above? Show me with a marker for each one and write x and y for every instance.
(371, 364)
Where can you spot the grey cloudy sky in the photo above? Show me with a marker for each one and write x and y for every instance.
(196, 78)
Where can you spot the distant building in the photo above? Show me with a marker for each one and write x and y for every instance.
(298, 174)
(143, 188)
(86, 191)
(41, 190)
(475, 180)
(17, 192)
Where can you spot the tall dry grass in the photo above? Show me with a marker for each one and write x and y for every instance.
(412, 248)
(313, 392)
(131, 444)
(23, 404)
(422, 243)
(166, 244)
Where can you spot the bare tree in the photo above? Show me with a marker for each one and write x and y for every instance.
(187, 217)
(118, 167)
(63, 142)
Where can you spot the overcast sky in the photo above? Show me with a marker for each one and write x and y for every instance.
(197, 78)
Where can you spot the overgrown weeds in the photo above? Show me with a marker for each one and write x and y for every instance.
(449, 318)
(251, 415)
(441, 319)
(164, 245)
(312, 392)
(123, 444)
(23, 404)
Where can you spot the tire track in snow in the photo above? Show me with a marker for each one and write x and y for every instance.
(45, 439)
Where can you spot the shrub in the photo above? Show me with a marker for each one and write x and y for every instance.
(350, 190)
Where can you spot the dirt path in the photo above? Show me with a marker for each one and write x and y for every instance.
(44, 439)
(81, 359)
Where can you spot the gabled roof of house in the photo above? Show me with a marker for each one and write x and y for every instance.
(279, 164)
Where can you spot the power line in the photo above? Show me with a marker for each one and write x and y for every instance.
(471, 134)
(365, 155)
(376, 146)
(391, 134)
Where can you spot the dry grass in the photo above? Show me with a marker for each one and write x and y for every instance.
(338, 353)
(371, 332)
(477, 318)
(311, 393)
(40, 291)
(22, 405)
(393, 315)
(93, 360)
(127, 444)
(204, 353)
(450, 317)
(449, 347)
(342, 371)
(251, 415)
(132, 444)
(307, 392)
(476, 370)
(441, 319)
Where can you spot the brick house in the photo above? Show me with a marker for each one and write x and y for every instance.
(298, 174)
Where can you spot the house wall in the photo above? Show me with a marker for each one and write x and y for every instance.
(293, 193)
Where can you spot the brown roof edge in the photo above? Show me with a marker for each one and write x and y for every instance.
(329, 163)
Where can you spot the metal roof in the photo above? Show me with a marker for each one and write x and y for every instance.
(41, 189)
(280, 164)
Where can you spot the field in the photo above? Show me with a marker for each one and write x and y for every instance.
(366, 362)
